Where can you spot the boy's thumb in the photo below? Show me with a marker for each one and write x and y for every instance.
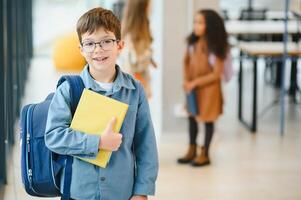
(111, 124)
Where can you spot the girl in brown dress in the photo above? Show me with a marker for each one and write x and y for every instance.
(209, 37)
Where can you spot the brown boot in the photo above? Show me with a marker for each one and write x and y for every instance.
(190, 155)
(202, 159)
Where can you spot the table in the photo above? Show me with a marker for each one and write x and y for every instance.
(266, 27)
(254, 50)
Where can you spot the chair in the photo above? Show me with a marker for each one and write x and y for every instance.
(253, 14)
(249, 15)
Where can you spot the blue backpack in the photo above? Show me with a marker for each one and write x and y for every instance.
(42, 168)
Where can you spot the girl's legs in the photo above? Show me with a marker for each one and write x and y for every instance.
(203, 158)
(209, 129)
(193, 132)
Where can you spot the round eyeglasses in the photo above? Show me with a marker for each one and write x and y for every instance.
(105, 45)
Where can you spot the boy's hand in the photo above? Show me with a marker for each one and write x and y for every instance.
(109, 140)
(139, 197)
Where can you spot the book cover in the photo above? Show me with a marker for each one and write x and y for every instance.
(192, 105)
(92, 115)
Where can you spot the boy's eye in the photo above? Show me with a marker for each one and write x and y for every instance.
(107, 41)
(89, 44)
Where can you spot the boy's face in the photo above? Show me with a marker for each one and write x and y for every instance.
(101, 56)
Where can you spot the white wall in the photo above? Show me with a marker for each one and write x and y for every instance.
(201, 4)
(174, 33)
(294, 5)
(156, 19)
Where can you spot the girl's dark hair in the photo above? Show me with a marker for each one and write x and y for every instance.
(215, 33)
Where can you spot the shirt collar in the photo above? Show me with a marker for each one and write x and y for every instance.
(121, 80)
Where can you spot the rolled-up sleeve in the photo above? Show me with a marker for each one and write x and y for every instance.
(145, 149)
(59, 137)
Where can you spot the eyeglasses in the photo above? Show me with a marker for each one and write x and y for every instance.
(105, 45)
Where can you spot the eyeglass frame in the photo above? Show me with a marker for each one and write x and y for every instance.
(99, 43)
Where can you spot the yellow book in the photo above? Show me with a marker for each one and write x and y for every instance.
(92, 115)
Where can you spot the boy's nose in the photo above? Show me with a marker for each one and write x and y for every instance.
(98, 47)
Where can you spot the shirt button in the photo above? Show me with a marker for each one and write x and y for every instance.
(102, 178)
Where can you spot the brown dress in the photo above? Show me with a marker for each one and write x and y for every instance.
(208, 79)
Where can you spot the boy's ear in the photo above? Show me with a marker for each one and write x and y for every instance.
(81, 50)
(120, 45)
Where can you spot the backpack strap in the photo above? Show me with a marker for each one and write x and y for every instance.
(76, 88)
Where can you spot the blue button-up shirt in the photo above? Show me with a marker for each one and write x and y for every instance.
(132, 169)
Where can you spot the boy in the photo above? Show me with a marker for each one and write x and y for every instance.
(99, 34)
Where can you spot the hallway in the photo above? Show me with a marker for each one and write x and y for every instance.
(245, 166)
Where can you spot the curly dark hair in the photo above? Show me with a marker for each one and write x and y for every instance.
(215, 33)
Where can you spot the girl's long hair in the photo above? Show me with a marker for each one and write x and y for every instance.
(136, 24)
(215, 33)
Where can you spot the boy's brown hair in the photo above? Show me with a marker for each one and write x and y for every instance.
(98, 18)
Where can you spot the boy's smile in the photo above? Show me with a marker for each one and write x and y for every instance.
(100, 59)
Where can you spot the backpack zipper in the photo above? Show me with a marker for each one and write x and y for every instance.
(29, 170)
